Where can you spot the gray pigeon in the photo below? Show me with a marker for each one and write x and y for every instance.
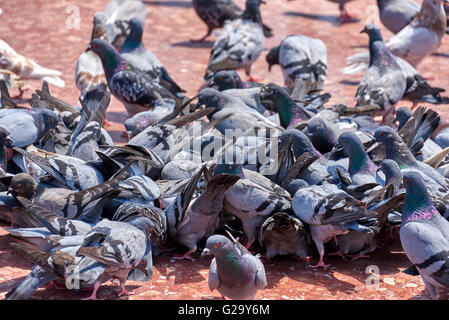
(240, 43)
(301, 56)
(135, 53)
(234, 272)
(424, 235)
(27, 126)
(191, 217)
(384, 83)
(396, 14)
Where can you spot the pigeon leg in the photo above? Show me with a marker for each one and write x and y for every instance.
(123, 290)
(21, 92)
(97, 285)
(320, 248)
(209, 31)
(107, 124)
(248, 244)
(338, 253)
(93, 296)
(186, 255)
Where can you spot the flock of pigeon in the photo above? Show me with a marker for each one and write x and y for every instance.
(260, 164)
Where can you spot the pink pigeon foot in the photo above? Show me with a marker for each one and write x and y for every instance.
(338, 253)
(359, 256)
(123, 291)
(319, 264)
(21, 92)
(107, 124)
(186, 256)
(93, 296)
(254, 79)
(345, 17)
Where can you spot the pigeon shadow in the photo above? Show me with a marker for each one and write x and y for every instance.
(335, 20)
(349, 83)
(192, 44)
(183, 271)
(440, 54)
(182, 4)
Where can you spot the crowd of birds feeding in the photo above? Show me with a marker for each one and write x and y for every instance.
(293, 178)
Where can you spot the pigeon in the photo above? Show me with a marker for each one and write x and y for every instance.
(27, 126)
(215, 13)
(89, 73)
(329, 211)
(192, 217)
(240, 43)
(418, 39)
(323, 135)
(424, 234)
(230, 79)
(135, 53)
(133, 87)
(283, 234)
(345, 17)
(234, 272)
(142, 120)
(26, 68)
(384, 83)
(301, 56)
(234, 112)
(5, 148)
(361, 169)
(119, 13)
(396, 14)
(252, 201)
(86, 204)
(87, 136)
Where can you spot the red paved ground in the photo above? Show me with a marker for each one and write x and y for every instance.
(37, 29)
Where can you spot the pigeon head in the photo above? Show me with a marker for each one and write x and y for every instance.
(228, 167)
(99, 29)
(283, 222)
(110, 58)
(373, 31)
(393, 174)
(142, 223)
(358, 159)
(296, 185)
(5, 148)
(134, 38)
(300, 143)
(210, 97)
(23, 185)
(44, 119)
(252, 10)
(321, 135)
(272, 57)
(417, 203)
(217, 245)
(289, 112)
(226, 79)
(402, 115)
(396, 149)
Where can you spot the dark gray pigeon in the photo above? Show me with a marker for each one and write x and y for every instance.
(384, 83)
(133, 87)
(425, 235)
(215, 13)
(191, 217)
(234, 272)
(135, 53)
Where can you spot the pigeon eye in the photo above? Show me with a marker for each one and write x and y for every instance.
(217, 245)
(342, 140)
(382, 134)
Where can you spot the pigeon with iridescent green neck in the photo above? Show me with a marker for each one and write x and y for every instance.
(135, 53)
(425, 235)
(289, 112)
(361, 169)
(230, 79)
(133, 87)
(320, 171)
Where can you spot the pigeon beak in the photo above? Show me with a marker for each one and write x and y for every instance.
(10, 191)
(205, 252)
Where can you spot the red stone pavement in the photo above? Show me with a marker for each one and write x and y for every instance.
(37, 29)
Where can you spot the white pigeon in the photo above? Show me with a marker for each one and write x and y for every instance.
(25, 67)
(418, 39)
